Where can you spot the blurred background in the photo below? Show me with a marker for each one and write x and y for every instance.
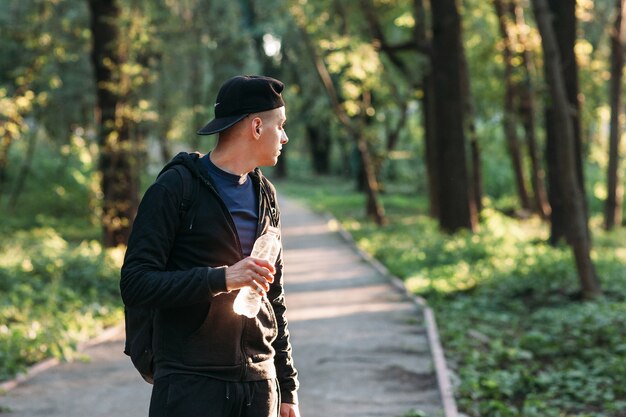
(471, 146)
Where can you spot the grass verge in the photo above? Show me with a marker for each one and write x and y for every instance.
(53, 295)
(515, 332)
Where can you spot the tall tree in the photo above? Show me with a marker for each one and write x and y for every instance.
(613, 204)
(469, 119)
(374, 206)
(457, 209)
(419, 43)
(573, 197)
(423, 36)
(510, 90)
(564, 24)
(317, 128)
(31, 79)
(527, 110)
(118, 179)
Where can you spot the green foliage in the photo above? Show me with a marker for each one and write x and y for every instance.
(60, 188)
(54, 295)
(514, 329)
(58, 287)
(45, 55)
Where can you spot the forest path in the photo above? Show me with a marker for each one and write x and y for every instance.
(360, 345)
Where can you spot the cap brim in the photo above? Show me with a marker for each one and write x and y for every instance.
(218, 125)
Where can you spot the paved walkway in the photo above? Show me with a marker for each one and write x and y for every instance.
(361, 348)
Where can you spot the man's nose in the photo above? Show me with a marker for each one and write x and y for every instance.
(284, 139)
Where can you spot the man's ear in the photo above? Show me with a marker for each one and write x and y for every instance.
(256, 126)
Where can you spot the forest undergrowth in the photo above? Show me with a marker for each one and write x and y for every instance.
(517, 335)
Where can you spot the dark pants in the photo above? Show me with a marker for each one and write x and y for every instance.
(180, 395)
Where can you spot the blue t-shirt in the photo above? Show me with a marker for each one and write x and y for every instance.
(240, 197)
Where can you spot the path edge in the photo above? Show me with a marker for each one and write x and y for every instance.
(446, 391)
(107, 334)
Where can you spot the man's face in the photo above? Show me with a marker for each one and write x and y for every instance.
(273, 136)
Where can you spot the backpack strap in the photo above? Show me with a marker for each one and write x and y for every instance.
(189, 188)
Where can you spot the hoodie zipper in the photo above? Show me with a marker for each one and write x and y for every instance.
(231, 221)
(244, 358)
(259, 228)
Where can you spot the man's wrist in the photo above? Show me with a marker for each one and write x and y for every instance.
(289, 397)
(216, 279)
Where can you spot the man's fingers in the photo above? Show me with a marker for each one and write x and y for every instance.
(260, 288)
(265, 274)
(262, 278)
(252, 272)
(264, 263)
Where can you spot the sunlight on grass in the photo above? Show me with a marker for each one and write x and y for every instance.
(507, 305)
(57, 294)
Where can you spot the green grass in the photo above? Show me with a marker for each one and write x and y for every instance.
(58, 286)
(53, 295)
(515, 332)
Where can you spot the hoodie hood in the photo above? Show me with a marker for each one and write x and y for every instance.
(191, 160)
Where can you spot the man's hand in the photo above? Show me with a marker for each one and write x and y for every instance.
(250, 272)
(289, 410)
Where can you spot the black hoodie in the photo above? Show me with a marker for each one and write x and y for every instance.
(177, 266)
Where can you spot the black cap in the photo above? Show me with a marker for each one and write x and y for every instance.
(241, 96)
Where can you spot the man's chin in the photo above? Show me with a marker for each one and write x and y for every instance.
(270, 163)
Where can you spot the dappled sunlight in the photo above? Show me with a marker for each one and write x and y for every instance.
(58, 293)
(309, 271)
(304, 230)
(328, 312)
(460, 279)
(328, 296)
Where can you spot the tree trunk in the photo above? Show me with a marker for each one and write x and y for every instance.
(421, 43)
(428, 112)
(5, 146)
(476, 182)
(564, 28)
(423, 36)
(456, 208)
(393, 135)
(510, 122)
(199, 117)
(527, 111)
(24, 171)
(613, 204)
(283, 164)
(319, 146)
(164, 122)
(569, 182)
(116, 159)
(374, 207)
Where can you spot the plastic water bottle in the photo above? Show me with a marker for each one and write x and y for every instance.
(267, 246)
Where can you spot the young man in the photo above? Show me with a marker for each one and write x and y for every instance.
(209, 361)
